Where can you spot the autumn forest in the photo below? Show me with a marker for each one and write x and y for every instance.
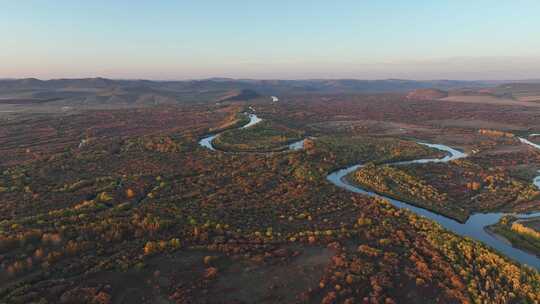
(125, 205)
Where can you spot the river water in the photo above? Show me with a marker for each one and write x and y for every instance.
(475, 227)
(253, 120)
(207, 141)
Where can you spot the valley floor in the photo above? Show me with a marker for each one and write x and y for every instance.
(125, 206)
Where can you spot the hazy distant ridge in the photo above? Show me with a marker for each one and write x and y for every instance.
(261, 86)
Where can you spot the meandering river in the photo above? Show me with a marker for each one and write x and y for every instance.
(475, 227)
(253, 120)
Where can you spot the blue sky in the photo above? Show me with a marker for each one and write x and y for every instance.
(271, 39)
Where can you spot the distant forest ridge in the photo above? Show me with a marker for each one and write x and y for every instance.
(102, 91)
(325, 86)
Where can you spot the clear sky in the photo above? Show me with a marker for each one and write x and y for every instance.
(416, 39)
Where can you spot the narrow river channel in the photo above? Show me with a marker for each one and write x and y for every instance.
(475, 227)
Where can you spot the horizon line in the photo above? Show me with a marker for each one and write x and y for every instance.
(217, 78)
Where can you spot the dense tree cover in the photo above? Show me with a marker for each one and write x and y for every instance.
(349, 149)
(399, 184)
(523, 234)
(455, 189)
(154, 216)
(37, 137)
(337, 112)
(495, 133)
(264, 136)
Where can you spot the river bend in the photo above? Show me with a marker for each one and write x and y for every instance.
(474, 227)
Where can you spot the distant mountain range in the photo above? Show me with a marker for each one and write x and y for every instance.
(106, 91)
(261, 86)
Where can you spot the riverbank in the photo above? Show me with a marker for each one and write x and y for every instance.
(514, 230)
(473, 227)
